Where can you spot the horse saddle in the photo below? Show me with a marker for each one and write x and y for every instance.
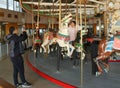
(109, 46)
(116, 44)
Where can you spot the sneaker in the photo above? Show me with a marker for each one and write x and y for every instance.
(18, 85)
(26, 84)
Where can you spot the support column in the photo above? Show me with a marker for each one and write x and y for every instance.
(94, 28)
(105, 23)
(99, 20)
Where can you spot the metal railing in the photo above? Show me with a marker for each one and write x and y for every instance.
(3, 50)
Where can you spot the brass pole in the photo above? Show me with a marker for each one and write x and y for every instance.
(81, 42)
(59, 14)
(49, 22)
(32, 19)
(53, 15)
(66, 7)
(77, 15)
(38, 16)
(85, 14)
(33, 30)
(105, 20)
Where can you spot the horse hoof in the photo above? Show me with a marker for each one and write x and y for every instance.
(68, 55)
(95, 60)
(45, 55)
(98, 74)
(106, 70)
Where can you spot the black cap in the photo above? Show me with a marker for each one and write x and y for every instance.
(11, 30)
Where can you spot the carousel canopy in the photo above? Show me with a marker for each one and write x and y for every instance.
(50, 7)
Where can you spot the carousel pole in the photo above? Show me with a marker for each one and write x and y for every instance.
(53, 15)
(37, 25)
(59, 14)
(38, 16)
(32, 19)
(49, 22)
(85, 15)
(66, 8)
(59, 55)
(33, 29)
(77, 23)
(105, 20)
(81, 42)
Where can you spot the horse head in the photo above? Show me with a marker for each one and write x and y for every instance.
(64, 24)
(66, 20)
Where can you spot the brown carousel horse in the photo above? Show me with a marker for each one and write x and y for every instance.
(105, 50)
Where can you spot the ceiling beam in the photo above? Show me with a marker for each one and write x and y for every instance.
(73, 2)
(41, 1)
(56, 4)
(98, 2)
(57, 1)
(63, 9)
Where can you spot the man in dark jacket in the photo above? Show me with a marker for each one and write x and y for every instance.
(16, 56)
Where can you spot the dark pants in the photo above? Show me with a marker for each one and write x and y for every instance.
(94, 54)
(18, 67)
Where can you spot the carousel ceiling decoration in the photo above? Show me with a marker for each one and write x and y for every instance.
(52, 6)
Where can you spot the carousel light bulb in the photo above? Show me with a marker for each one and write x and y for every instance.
(101, 7)
(111, 5)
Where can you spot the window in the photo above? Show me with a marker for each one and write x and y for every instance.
(20, 9)
(10, 4)
(3, 4)
(16, 6)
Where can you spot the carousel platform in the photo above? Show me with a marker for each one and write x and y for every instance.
(68, 75)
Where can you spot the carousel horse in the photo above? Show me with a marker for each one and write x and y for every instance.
(36, 44)
(47, 41)
(79, 47)
(62, 37)
(105, 49)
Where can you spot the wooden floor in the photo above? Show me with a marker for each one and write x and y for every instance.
(5, 84)
(6, 74)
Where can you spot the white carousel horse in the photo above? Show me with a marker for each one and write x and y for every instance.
(62, 37)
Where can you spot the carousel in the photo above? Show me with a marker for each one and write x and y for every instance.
(73, 65)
